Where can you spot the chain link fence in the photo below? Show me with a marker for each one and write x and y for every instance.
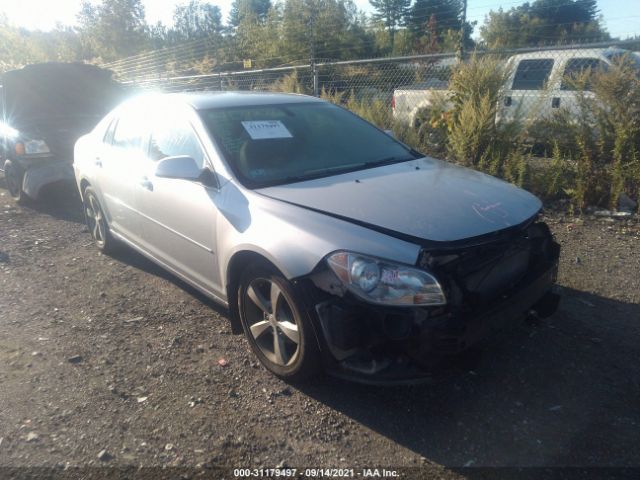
(561, 121)
(389, 91)
(521, 91)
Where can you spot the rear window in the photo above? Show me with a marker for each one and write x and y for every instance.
(128, 132)
(284, 143)
(532, 74)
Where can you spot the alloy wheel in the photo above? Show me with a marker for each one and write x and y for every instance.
(95, 220)
(271, 322)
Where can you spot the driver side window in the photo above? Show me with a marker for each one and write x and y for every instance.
(170, 138)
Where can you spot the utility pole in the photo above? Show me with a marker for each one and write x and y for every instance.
(312, 46)
(463, 24)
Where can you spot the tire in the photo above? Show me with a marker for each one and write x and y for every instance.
(273, 338)
(97, 222)
(13, 176)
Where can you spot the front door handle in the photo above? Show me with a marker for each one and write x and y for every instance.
(146, 183)
(97, 162)
(555, 102)
(507, 101)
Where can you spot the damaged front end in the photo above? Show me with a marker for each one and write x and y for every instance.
(486, 284)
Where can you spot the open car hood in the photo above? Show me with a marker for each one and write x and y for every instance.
(423, 199)
(45, 92)
(58, 102)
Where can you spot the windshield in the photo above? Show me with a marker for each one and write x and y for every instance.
(618, 56)
(276, 144)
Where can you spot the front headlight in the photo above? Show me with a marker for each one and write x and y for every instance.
(35, 146)
(8, 131)
(385, 283)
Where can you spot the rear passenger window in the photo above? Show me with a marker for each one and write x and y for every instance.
(170, 138)
(532, 74)
(576, 68)
(128, 132)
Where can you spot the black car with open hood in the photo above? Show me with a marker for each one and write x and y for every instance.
(44, 109)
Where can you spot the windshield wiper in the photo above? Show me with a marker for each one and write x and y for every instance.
(322, 172)
(335, 169)
(388, 161)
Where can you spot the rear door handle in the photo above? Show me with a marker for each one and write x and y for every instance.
(97, 162)
(507, 101)
(555, 102)
(146, 183)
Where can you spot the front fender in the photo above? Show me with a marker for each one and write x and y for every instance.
(292, 238)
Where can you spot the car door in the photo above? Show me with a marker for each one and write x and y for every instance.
(527, 98)
(117, 164)
(179, 216)
(575, 85)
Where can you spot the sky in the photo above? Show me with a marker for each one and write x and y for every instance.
(622, 17)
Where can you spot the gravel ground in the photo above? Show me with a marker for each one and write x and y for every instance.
(111, 355)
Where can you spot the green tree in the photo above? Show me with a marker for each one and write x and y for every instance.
(349, 38)
(436, 25)
(335, 29)
(256, 40)
(197, 20)
(19, 46)
(114, 28)
(442, 14)
(543, 22)
(392, 13)
(256, 9)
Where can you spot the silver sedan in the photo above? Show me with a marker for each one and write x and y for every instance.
(333, 245)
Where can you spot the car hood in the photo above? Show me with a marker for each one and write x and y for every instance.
(423, 199)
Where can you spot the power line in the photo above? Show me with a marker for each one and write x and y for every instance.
(443, 19)
(154, 62)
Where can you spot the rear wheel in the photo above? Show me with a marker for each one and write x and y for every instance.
(97, 222)
(14, 176)
(279, 334)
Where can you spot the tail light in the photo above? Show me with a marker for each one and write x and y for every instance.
(393, 102)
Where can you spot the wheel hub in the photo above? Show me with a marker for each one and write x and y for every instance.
(95, 220)
(271, 322)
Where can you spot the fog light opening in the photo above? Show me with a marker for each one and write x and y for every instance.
(397, 326)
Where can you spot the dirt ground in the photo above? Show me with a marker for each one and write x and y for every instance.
(112, 355)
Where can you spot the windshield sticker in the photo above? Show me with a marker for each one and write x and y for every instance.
(266, 129)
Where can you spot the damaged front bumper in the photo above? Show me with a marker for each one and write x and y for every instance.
(40, 173)
(386, 345)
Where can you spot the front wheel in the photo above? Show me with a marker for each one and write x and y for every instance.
(279, 334)
(14, 176)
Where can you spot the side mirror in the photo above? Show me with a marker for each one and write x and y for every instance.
(390, 133)
(182, 167)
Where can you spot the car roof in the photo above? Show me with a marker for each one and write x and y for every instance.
(567, 53)
(207, 100)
